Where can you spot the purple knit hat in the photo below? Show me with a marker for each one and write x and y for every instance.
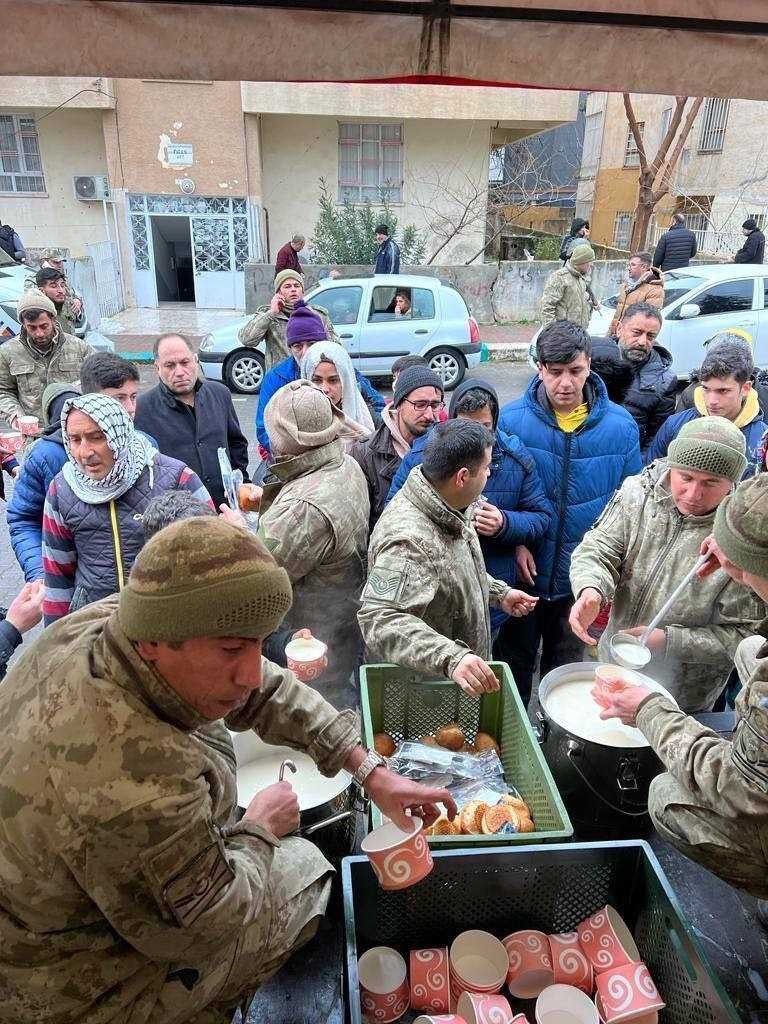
(304, 325)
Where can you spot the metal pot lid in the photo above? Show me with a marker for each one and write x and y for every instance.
(258, 766)
(565, 698)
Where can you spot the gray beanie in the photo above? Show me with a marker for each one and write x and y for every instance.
(710, 444)
(741, 525)
(411, 379)
(34, 299)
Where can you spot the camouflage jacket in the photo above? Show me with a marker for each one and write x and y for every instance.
(270, 328)
(116, 853)
(565, 297)
(426, 600)
(635, 555)
(25, 372)
(66, 316)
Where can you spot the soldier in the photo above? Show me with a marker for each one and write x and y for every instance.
(643, 544)
(127, 890)
(314, 520)
(74, 307)
(52, 283)
(425, 605)
(712, 802)
(269, 323)
(40, 355)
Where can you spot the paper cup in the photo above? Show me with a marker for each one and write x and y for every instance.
(440, 1018)
(12, 441)
(530, 963)
(627, 993)
(399, 859)
(482, 1008)
(564, 1004)
(569, 962)
(646, 1018)
(383, 985)
(28, 424)
(607, 941)
(479, 963)
(306, 658)
(430, 980)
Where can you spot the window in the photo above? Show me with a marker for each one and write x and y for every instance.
(370, 162)
(590, 157)
(496, 166)
(631, 154)
(666, 119)
(341, 304)
(21, 169)
(421, 300)
(759, 219)
(678, 285)
(714, 119)
(728, 297)
(622, 229)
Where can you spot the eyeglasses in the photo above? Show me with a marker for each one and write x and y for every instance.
(422, 405)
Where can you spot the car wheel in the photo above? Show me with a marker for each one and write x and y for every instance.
(449, 365)
(244, 372)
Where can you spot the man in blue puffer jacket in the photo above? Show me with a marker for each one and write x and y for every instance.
(584, 446)
(516, 510)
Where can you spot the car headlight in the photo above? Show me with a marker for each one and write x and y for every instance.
(207, 343)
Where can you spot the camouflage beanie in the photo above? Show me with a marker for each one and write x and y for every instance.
(741, 526)
(299, 418)
(710, 444)
(203, 577)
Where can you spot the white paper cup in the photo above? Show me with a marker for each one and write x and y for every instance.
(564, 1004)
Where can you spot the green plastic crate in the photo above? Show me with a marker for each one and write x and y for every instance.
(405, 705)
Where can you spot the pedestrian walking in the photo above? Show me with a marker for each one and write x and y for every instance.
(566, 292)
(388, 254)
(288, 255)
(676, 247)
(753, 249)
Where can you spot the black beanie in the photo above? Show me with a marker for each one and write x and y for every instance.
(750, 224)
(412, 378)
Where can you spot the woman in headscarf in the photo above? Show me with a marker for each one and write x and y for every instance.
(327, 366)
(92, 528)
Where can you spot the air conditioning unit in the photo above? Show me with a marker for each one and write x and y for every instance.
(91, 187)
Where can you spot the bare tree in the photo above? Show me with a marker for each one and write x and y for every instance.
(656, 175)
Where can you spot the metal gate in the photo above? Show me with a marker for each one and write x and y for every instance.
(109, 282)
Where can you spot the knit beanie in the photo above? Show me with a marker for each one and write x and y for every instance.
(203, 577)
(411, 379)
(288, 275)
(710, 444)
(304, 325)
(741, 525)
(34, 299)
(582, 253)
(52, 392)
(299, 418)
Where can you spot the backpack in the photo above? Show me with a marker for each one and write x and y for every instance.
(6, 240)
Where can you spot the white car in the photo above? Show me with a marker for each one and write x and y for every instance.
(439, 328)
(699, 301)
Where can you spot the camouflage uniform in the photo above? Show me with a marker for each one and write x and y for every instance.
(121, 875)
(67, 318)
(425, 604)
(270, 328)
(565, 297)
(315, 524)
(635, 555)
(25, 372)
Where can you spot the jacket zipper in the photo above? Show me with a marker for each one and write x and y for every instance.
(561, 509)
(118, 548)
(651, 579)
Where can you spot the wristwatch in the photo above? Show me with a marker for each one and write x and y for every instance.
(372, 760)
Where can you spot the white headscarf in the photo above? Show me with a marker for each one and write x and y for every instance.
(352, 402)
(132, 451)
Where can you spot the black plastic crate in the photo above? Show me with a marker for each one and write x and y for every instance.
(551, 888)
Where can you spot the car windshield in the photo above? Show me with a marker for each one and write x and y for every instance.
(677, 285)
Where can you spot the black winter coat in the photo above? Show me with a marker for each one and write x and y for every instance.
(646, 390)
(753, 249)
(192, 434)
(379, 461)
(675, 249)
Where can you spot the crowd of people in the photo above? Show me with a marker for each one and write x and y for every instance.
(394, 531)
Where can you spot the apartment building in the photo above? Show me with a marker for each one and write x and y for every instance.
(719, 181)
(186, 181)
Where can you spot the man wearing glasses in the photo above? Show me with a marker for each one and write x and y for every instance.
(415, 408)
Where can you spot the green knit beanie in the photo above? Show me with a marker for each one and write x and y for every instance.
(741, 525)
(203, 577)
(582, 253)
(710, 444)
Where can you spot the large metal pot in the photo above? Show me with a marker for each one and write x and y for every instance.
(604, 785)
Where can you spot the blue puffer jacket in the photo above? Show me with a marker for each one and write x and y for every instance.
(579, 471)
(514, 487)
(25, 509)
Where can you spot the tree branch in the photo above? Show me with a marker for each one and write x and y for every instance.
(634, 127)
(670, 165)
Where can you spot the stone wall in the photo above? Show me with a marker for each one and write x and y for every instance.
(495, 293)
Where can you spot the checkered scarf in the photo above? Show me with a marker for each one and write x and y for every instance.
(132, 451)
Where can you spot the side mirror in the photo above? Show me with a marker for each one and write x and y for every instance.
(689, 310)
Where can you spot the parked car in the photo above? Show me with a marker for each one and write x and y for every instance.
(361, 309)
(699, 301)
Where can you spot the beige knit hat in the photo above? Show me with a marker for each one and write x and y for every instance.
(288, 275)
(34, 299)
(710, 444)
(299, 418)
(741, 525)
(203, 577)
(582, 253)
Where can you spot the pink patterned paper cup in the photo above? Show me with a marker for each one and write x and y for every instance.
(627, 993)
(646, 1018)
(430, 980)
(12, 441)
(570, 963)
(383, 981)
(607, 941)
(440, 1018)
(482, 1008)
(399, 859)
(530, 963)
(478, 963)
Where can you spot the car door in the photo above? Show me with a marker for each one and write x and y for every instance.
(760, 347)
(386, 336)
(343, 304)
(723, 305)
